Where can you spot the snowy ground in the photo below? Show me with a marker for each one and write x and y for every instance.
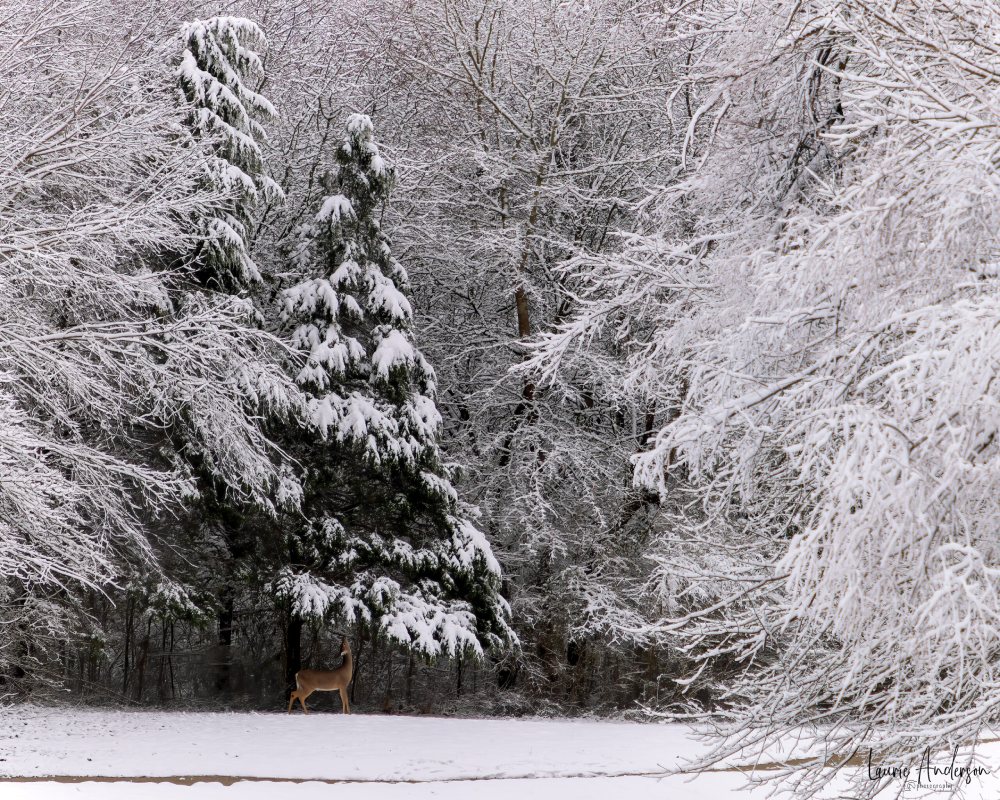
(202, 756)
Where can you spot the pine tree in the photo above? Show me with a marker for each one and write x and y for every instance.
(389, 545)
(218, 65)
(216, 68)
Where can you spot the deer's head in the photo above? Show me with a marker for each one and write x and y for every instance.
(345, 647)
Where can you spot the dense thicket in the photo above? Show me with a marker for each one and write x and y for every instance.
(202, 463)
(648, 357)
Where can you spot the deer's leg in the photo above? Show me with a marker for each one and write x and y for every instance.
(344, 701)
(303, 701)
(291, 701)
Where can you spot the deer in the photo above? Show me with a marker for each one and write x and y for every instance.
(308, 681)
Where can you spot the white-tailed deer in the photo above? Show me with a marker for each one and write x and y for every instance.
(308, 681)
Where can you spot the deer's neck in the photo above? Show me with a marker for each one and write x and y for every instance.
(348, 664)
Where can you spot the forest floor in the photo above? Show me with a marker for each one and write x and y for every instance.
(54, 753)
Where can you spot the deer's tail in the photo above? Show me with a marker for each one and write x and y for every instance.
(298, 686)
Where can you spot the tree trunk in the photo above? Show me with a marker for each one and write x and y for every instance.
(128, 639)
(293, 650)
(161, 673)
(173, 685)
(223, 674)
(13, 679)
(143, 658)
(409, 682)
(387, 697)
(359, 656)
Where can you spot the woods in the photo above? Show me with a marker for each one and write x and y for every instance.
(566, 357)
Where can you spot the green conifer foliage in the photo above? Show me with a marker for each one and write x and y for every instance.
(217, 67)
(389, 544)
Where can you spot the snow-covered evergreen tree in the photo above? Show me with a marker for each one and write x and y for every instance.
(99, 351)
(390, 544)
(217, 67)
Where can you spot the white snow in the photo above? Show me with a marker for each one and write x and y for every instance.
(376, 756)
(575, 788)
(327, 746)
(360, 125)
(335, 208)
(393, 350)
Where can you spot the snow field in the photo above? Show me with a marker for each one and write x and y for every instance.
(254, 756)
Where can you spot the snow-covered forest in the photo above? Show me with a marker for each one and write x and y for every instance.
(606, 357)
